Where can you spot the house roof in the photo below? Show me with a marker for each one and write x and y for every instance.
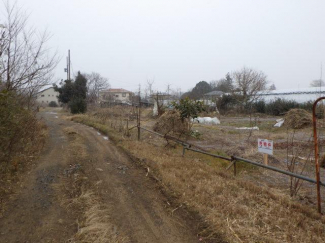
(46, 87)
(214, 93)
(309, 90)
(116, 91)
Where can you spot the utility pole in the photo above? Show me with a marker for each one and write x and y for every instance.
(67, 69)
(69, 66)
(168, 98)
(139, 94)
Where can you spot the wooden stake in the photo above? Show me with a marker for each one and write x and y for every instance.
(266, 159)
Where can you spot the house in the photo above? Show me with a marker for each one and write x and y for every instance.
(211, 98)
(115, 95)
(45, 96)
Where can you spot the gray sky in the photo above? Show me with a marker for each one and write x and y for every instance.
(181, 42)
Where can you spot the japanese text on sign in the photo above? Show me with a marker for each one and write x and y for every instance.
(265, 146)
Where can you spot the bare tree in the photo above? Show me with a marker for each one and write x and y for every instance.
(95, 84)
(317, 83)
(148, 90)
(249, 83)
(149, 85)
(25, 61)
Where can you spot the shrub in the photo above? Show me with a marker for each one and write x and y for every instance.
(19, 130)
(279, 107)
(171, 123)
(189, 108)
(226, 103)
(260, 106)
(53, 104)
(78, 105)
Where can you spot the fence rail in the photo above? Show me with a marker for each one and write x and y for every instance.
(233, 159)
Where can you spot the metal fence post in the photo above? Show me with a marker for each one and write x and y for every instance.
(317, 155)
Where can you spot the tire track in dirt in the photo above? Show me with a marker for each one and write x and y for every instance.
(137, 207)
(34, 215)
(135, 203)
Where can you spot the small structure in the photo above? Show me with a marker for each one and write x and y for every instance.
(115, 96)
(46, 95)
(211, 98)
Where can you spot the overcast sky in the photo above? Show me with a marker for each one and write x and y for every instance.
(181, 42)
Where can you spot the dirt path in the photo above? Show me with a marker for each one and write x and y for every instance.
(136, 207)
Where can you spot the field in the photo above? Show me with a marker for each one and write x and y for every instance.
(254, 206)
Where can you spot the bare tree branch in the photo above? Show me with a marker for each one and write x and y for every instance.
(26, 63)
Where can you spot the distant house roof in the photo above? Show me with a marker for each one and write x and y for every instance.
(46, 87)
(116, 91)
(309, 90)
(214, 93)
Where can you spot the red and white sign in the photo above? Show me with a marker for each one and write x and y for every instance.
(265, 146)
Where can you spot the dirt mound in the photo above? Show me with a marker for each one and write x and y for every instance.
(297, 119)
(171, 123)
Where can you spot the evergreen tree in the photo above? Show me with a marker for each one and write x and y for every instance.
(225, 84)
(198, 91)
(74, 94)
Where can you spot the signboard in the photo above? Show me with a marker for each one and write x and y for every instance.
(265, 146)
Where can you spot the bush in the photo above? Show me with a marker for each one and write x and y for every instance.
(188, 108)
(53, 104)
(279, 106)
(172, 123)
(78, 105)
(19, 130)
(260, 106)
(226, 103)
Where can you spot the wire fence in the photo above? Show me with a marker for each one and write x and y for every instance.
(125, 125)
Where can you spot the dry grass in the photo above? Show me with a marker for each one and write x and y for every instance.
(80, 197)
(297, 119)
(240, 210)
(234, 207)
(171, 123)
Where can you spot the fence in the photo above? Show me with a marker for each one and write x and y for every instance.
(232, 159)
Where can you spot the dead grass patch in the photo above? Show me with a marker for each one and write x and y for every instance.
(297, 119)
(240, 210)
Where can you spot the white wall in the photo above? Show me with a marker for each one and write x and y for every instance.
(46, 96)
(115, 96)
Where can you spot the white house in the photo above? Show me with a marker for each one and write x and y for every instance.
(211, 98)
(45, 96)
(115, 95)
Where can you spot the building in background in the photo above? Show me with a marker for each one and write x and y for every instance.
(45, 96)
(115, 96)
(211, 98)
(299, 95)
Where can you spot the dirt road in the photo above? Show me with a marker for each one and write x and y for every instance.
(137, 210)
